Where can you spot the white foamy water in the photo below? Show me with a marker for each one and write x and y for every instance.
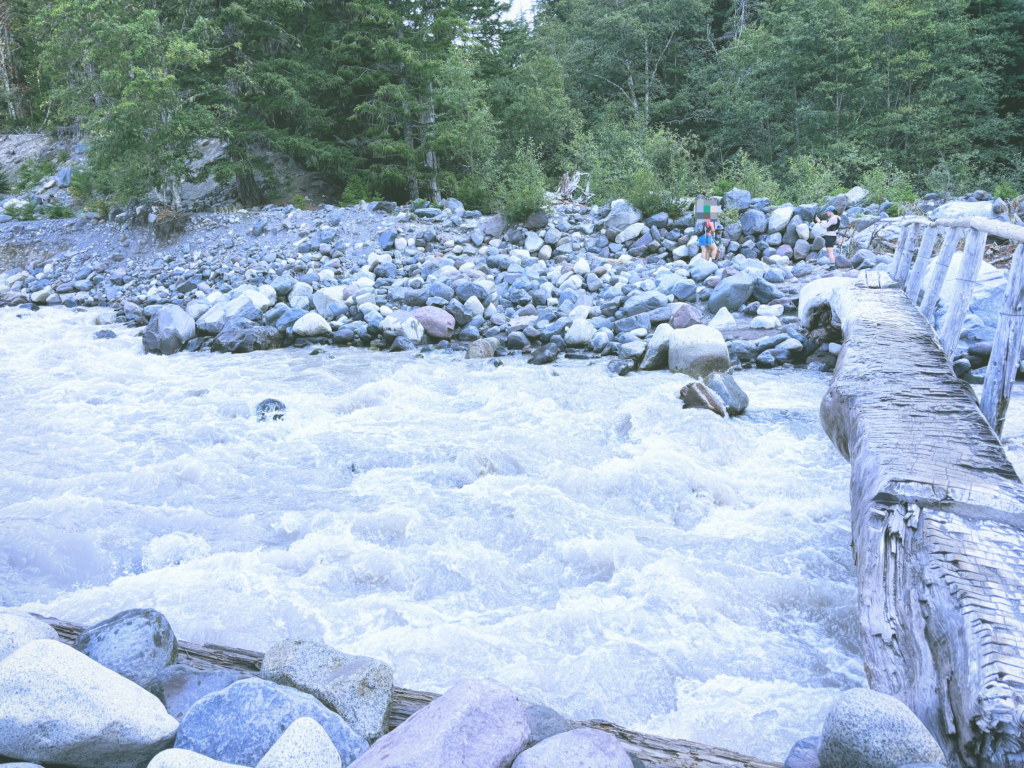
(577, 536)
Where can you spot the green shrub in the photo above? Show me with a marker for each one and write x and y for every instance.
(810, 179)
(58, 212)
(355, 192)
(32, 171)
(744, 172)
(26, 212)
(886, 182)
(521, 191)
(5, 182)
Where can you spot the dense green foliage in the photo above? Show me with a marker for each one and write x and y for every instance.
(654, 99)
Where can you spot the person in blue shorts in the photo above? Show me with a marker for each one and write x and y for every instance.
(707, 229)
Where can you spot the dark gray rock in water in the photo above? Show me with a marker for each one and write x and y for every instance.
(696, 395)
(181, 686)
(729, 392)
(804, 754)
(137, 644)
(240, 723)
(545, 354)
(544, 723)
(402, 344)
(867, 729)
(168, 330)
(104, 334)
(270, 409)
(621, 366)
(241, 335)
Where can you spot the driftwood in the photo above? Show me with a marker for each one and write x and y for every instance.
(938, 533)
(1005, 357)
(988, 226)
(974, 252)
(654, 751)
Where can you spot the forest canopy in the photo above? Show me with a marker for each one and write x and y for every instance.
(654, 99)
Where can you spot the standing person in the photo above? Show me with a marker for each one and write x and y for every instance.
(831, 225)
(706, 230)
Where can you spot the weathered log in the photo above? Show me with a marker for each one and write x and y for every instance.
(974, 250)
(902, 270)
(924, 256)
(655, 751)
(950, 240)
(988, 226)
(904, 247)
(1005, 357)
(938, 533)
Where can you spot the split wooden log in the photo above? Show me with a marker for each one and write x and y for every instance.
(902, 247)
(938, 533)
(1005, 357)
(988, 226)
(924, 256)
(974, 251)
(950, 240)
(655, 751)
(902, 270)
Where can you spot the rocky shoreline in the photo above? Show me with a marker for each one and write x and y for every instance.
(122, 695)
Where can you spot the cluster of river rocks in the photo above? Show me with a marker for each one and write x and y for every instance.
(122, 696)
(574, 281)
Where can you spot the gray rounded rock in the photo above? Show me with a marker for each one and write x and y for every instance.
(544, 723)
(242, 722)
(18, 628)
(867, 729)
(59, 706)
(358, 688)
(137, 644)
(304, 745)
(581, 748)
(168, 330)
(182, 758)
(181, 686)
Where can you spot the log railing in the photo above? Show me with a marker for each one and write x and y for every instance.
(910, 274)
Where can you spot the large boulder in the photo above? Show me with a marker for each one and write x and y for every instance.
(754, 222)
(779, 219)
(476, 724)
(804, 754)
(138, 644)
(168, 330)
(304, 745)
(580, 748)
(435, 321)
(59, 706)
(738, 199)
(358, 688)
(242, 722)
(180, 686)
(242, 335)
(867, 729)
(311, 324)
(213, 321)
(643, 301)
(656, 355)
(731, 293)
(697, 351)
(817, 293)
(856, 195)
(701, 269)
(961, 209)
(18, 628)
(621, 215)
(579, 333)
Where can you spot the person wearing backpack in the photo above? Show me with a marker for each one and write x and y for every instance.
(706, 231)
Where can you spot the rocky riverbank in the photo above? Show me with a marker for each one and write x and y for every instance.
(124, 695)
(572, 281)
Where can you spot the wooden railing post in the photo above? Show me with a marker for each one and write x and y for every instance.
(924, 256)
(950, 240)
(1005, 357)
(902, 261)
(974, 250)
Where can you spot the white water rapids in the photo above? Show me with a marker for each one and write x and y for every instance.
(576, 536)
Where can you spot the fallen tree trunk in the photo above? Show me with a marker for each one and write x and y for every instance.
(938, 531)
(654, 751)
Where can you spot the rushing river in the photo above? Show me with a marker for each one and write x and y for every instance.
(574, 535)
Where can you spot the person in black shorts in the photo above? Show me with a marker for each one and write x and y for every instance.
(831, 224)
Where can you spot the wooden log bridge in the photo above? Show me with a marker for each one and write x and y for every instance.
(654, 751)
(938, 530)
(1005, 356)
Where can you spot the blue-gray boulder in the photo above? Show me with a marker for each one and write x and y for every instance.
(731, 293)
(804, 754)
(181, 686)
(738, 199)
(138, 644)
(754, 222)
(240, 723)
(733, 398)
(168, 330)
